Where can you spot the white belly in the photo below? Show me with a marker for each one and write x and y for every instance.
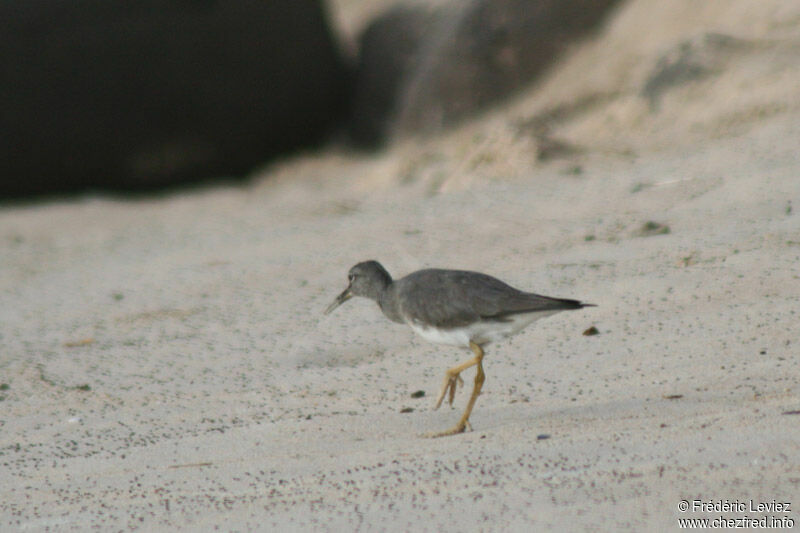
(480, 332)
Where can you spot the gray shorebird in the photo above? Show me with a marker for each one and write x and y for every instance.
(454, 307)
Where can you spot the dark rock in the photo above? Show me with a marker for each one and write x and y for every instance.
(389, 54)
(422, 69)
(137, 95)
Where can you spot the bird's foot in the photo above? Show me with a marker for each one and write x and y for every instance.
(455, 430)
(451, 380)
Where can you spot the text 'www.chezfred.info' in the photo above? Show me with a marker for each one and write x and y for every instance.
(735, 514)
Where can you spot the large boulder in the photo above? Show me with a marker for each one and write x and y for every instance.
(423, 68)
(116, 94)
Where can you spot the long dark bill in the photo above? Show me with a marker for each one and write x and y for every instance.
(342, 298)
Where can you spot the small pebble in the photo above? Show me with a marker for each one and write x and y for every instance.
(418, 394)
(542, 436)
(651, 228)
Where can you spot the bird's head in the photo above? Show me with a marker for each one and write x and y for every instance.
(367, 279)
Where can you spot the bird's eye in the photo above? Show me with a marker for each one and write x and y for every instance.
(351, 277)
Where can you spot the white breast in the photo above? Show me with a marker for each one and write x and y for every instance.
(457, 336)
(481, 333)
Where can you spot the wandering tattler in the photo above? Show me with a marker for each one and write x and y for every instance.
(455, 307)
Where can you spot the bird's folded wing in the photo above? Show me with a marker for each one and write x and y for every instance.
(451, 299)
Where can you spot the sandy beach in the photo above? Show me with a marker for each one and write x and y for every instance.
(165, 363)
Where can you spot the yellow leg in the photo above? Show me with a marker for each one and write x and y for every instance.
(480, 377)
(452, 378)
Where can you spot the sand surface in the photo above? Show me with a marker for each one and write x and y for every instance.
(165, 364)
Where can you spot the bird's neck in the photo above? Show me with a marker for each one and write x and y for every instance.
(387, 301)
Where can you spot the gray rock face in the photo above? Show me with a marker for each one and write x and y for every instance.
(422, 69)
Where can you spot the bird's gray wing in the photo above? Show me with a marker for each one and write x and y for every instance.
(455, 298)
